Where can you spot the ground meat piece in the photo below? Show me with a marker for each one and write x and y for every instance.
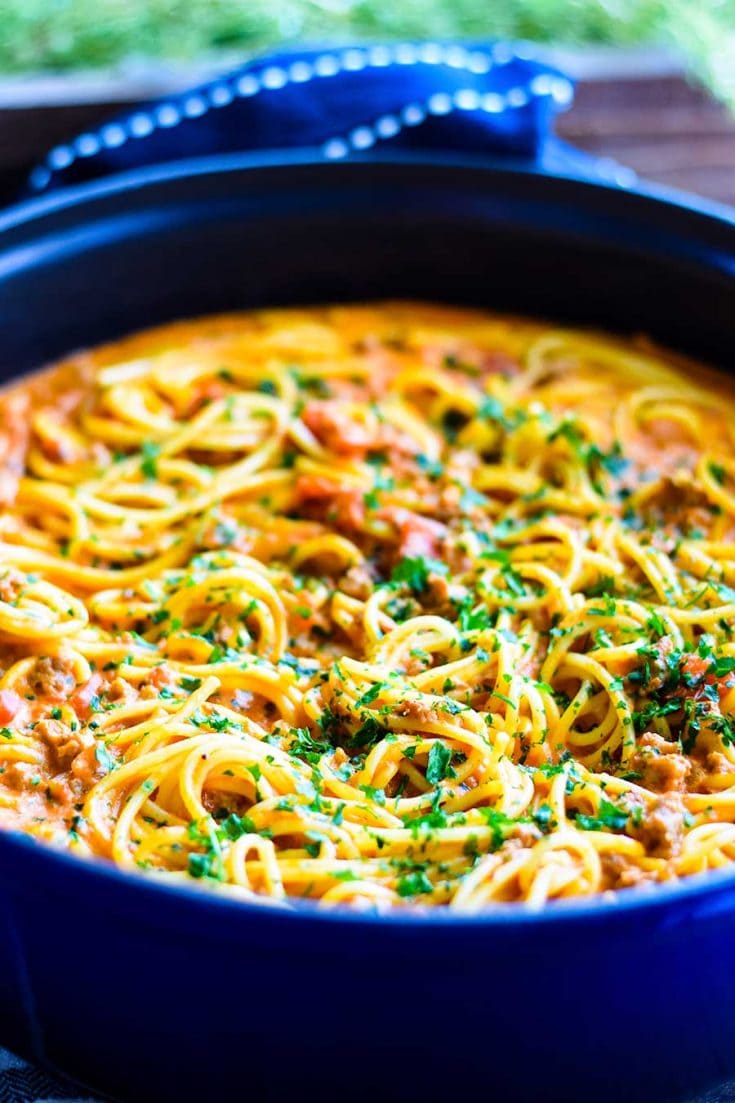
(416, 709)
(85, 766)
(718, 763)
(11, 584)
(64, 743)
(661, 829)
(619, 871)
(21, 775)
(161, 676)
(679, 505)
(357, 582)
(340, 757)
(120, 690)
(51, 676)
(696, 777)
(660, 764)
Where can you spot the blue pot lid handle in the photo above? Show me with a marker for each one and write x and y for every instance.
(494, 99)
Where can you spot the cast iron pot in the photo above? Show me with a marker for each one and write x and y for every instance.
(149, 992)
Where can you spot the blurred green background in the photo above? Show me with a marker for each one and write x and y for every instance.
(68, 34)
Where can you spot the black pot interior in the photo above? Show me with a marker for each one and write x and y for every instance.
(182, 244)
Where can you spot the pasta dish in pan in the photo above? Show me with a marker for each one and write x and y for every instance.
(376, 605)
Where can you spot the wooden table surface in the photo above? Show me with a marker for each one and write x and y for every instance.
(663, 127)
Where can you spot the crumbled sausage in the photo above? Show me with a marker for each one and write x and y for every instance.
(20, 775)
(661, 829)
(64, 743)
(11, 584)
(357, 582)
(416, 709)
(51, 676)
(678, 505)
(718, 763)
(619, 871)
(85, 766)
(660, 764)
(120, 690)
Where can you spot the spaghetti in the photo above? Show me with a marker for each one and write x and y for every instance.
(376, 605)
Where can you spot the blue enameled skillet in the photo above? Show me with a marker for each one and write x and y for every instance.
(149, 992)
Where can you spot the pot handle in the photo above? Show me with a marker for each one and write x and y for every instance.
(492, 99)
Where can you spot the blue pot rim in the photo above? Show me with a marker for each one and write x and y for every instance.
(27, 210)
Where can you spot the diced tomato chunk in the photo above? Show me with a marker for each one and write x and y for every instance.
(336, 430)
(10, 704)
(82, 697)
(417, 535)
(343, 507)
(695, 666)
